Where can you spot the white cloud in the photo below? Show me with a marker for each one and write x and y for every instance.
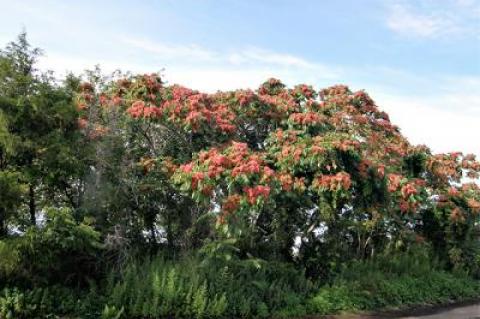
(249, 56)
(256, 55)
(434, 19)
(169, 51)
(406, 22)
(424, 121)
(62, 64)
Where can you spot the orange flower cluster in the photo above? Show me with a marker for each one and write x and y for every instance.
(457, 215)
(253, 193)
(230, 205)
(337, 90)
(346, 145)
(445, 166)
(304, 90)
(286, 180)
(408, 190)
(245, 97)
(393, 182)
(98, 131)
(474, 205)
(82, 123)
(196, 178)
(140, 109)
(308, 118)
(339, 181)
(198, 111)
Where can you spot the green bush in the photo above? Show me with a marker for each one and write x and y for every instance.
(190, 288)
(60, 251)
(38, 302)
(402, 280)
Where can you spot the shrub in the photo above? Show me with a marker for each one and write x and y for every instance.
(190, 288)
(401, 280)
(60, 251)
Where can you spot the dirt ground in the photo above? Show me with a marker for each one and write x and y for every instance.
(464, 310)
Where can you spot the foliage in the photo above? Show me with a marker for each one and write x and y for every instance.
(391, 283)
(60, 251)
(249, 203)
(190, 288)
(38, 303)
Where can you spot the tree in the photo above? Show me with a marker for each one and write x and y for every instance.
(41, 122)
(277, 165)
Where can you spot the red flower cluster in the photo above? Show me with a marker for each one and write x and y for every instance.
(304, 90)
(393, 182)
(196, 178)
(457, 215)
(408, 190)
(445, 166)
(82, 123)
(474, 205)
(140, 109)
(346, 145)
(230, 205)
(307, 118)
(286, 181)
(245, 97)
(253, 193)
(339, 181)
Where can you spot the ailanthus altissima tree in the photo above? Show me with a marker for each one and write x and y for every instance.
(158, 201)
(277, 167)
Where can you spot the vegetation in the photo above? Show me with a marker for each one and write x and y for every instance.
(125, 197)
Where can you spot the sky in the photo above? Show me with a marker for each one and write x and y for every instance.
(418, 59)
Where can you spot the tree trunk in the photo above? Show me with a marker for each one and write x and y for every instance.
(3, 230)
(32, 205)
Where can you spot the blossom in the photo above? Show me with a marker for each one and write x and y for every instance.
(196, 178)
(453, 191)
(136, 109)
(82, 123)
(253, 193)
(393, 182)
(307, 118)
(186, 168)
(335, 182)
(457, 215)
(474, 205)
(408, 190)
(231, 203)
(286, 181)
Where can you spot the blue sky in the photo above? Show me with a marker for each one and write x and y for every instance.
(420, 60)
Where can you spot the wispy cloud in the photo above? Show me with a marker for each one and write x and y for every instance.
(434, 19)
(258, 55)
(247, 56)
(405, 21)
(171, 51)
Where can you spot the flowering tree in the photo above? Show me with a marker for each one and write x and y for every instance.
(276, 165)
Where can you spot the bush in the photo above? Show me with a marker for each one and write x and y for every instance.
(38, 302)
(190, 288)
(402, 280)
(60, 251)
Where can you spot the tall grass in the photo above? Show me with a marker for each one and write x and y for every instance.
(393, 281)
(191, 289)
